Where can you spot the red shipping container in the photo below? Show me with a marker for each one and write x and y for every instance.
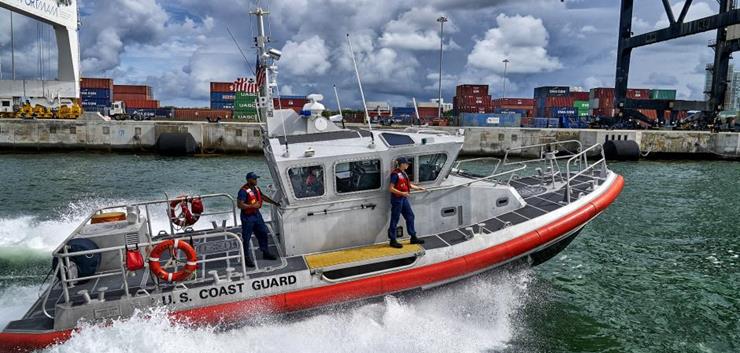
(558, 102)
(511, 102)
(133, 89)
(96, 83)
(602, 93)
(473, 100)
(428, 112)
(141, 104)
(580, 96)
(472, 90)
(634, 93)
(290, 102)
(198, 114)
(129, 97)
(222, 87)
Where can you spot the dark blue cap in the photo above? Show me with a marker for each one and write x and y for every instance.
(402, 160)
(252, 175)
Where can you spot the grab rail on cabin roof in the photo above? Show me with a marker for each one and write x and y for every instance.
(543, 147)
(65, 255)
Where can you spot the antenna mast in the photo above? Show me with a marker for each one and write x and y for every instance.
(265, 94)
(362, 93)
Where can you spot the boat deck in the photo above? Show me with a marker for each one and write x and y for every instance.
(540, 200)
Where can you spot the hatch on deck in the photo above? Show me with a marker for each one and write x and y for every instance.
(361, 256)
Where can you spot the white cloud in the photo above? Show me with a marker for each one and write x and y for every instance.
(417, 29)
(521, 39)
(309, 57)
(696, 11)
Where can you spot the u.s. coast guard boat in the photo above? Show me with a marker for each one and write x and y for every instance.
(330, 233)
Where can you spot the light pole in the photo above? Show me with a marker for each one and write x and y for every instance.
(506, 67)
(441, 21)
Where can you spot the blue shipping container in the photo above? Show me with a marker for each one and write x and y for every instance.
(95, 93)
(522, 112)
(159, 113)
(563, 111)
(222, 105)
(402, 111)
(546, 123)
(86, 102)
(573, 122)
(492, 120)
(223, 96)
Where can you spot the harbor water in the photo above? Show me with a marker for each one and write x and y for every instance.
(657, 272)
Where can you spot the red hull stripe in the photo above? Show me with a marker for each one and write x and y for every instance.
(362, 288)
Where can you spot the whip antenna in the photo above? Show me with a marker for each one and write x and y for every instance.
(362, 93)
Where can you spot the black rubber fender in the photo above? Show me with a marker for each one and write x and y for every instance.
(621, 150)
(176, 144)
(87, 265)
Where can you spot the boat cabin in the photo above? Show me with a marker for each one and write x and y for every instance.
(333, 183)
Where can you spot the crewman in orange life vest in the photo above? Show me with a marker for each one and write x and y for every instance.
(400, 188)
(250, 201)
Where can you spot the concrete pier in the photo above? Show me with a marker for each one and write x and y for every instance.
(234, 137)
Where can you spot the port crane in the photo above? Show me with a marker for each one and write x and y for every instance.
(47, 98)
(727, 25)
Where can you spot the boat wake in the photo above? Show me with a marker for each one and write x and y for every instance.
(479, 314)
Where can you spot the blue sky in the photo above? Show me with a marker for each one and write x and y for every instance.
(178, 46)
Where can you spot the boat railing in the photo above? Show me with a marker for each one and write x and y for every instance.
(544, 149)
(580, 166)
(503, 178)
(427, 131)
(203, 259)
(174, 229)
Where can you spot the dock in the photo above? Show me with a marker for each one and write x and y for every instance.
(238, 138)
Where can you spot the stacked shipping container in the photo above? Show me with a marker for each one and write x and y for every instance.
(522, 106)
(135, 96)
(472, 99)
(290, 102)
(96, 94)
(222, 95)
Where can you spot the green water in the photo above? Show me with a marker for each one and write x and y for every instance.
(657, 272)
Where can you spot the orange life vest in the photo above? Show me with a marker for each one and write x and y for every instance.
(253, 196)
(403, 183)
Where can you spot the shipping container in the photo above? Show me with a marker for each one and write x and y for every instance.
(245, 103)
(551, 91)
(126, 97)
(292, 102)
(404, 111)
(579, 96)
(573, 122)
(222, 96)
(141, 103)
(159, 113)
(222, 105)
(142, 90)
(519, 102)
(663, 94)
(521, 112)
(95, 93)
(222, 87)
(96, 83)
(245, 116)
(86, 102)
(428, 112)
(634, 93)
(490, 120)
(198, 114)
(472, 90)
(546, 123)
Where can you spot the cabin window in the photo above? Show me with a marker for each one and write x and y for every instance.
(358, 176)
(307, 181)
(6, 104)
(397, 139)
(430, 166)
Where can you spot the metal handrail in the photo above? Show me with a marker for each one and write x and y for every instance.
(585, 169)
(122, 271)
(487, 178)
(148, 218)
(541, 145)
(495, 169)
(427, 131)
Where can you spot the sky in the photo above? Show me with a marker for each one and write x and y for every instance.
(179, 46)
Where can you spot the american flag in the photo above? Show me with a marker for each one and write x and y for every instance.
(249, 85)
(244, 84)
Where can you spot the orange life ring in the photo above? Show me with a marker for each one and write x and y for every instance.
(190, 210)
(178, 276)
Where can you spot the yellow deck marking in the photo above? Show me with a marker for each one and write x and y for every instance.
(364, 253)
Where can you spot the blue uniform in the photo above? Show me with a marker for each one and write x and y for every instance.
(400, 205)
(252, 222)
